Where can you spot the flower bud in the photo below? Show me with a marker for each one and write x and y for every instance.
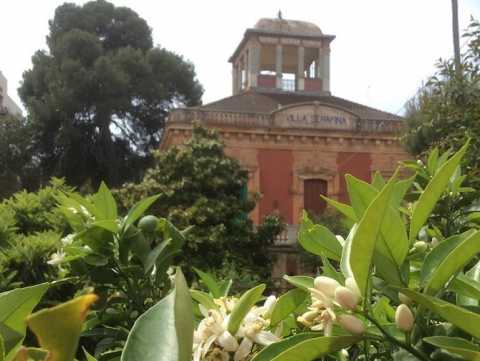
(351, 284)
(227, 342)
(326, 285)
(404, 318)
(310, 315)
(420, 246)
(351, 324)
(346, 298)
(404, 299)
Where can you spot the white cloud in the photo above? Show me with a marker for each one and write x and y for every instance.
(383, 51)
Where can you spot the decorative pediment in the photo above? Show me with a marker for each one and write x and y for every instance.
(315, 115)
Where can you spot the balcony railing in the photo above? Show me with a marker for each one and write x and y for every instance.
(288, 237)
(288, 85)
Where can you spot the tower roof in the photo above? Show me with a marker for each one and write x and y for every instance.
(279, 27)
(287, 27)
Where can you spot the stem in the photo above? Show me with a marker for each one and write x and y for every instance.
(408, 338)
(401, 344)
(366, 347)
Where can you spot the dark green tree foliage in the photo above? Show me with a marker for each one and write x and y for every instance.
(99, 96)
(200, 186)
(446, 111)
(18, 168)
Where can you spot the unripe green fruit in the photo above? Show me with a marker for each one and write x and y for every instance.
(148, 224)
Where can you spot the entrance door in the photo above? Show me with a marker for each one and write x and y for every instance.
(312, 189)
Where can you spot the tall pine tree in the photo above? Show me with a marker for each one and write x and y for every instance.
(98, 98)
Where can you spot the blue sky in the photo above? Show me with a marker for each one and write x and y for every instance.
(383, 51)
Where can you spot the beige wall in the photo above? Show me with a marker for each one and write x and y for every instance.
(5, 100)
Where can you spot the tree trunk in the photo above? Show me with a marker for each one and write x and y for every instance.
(456, 39)
(107, 159)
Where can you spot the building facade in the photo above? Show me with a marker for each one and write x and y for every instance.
(282, 123)
(7, 105)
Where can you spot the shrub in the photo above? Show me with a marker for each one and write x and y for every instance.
(31, 226)
(199, 186)
(37, 211)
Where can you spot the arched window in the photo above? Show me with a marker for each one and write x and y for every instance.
(312, 190)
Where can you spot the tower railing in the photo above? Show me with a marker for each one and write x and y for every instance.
(288, 85)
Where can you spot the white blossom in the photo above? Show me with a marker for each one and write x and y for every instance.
(68, 239)
(213, 341)
(328, 296)
(57, 258)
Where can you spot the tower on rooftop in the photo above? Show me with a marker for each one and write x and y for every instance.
(279, 55)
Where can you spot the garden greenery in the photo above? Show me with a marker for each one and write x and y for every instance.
(396, 288)
(392, 296)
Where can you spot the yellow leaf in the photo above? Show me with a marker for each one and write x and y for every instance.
(58, 328)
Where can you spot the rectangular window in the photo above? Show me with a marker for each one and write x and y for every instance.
(313, 189)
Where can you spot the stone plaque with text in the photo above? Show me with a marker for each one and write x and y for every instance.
(315, 116)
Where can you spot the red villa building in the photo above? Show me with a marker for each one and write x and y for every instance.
(282, 123)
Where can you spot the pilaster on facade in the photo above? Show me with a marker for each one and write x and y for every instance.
(278, 65)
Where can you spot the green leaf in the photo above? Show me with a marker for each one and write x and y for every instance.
(11, 339)
(107, 224)
(453, 263)
(330, 271)
(433, 191)
(304, 347)
(138, 210)
(432, 161)
(31, 354)
(318, 240)
(456, 345)
(466, 286)
(174, 240)
(15, 306)
(170, 231)
(472, 279)
(2, 349)
(241, 308)
(345, 209)
(105, 203)
(153, 255)
(286, 304)
(378, 181)
(270, 352)
(225, 287)
(458, 316)
(76, 201)
(363, 242)
(392, 244)
(401, 188)
(382, 311)
(204, 299)
(165, 331)
(58, 328)
(303, 282)
(88, 357)
(436, 255)
(361, 194)
(210, 283)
